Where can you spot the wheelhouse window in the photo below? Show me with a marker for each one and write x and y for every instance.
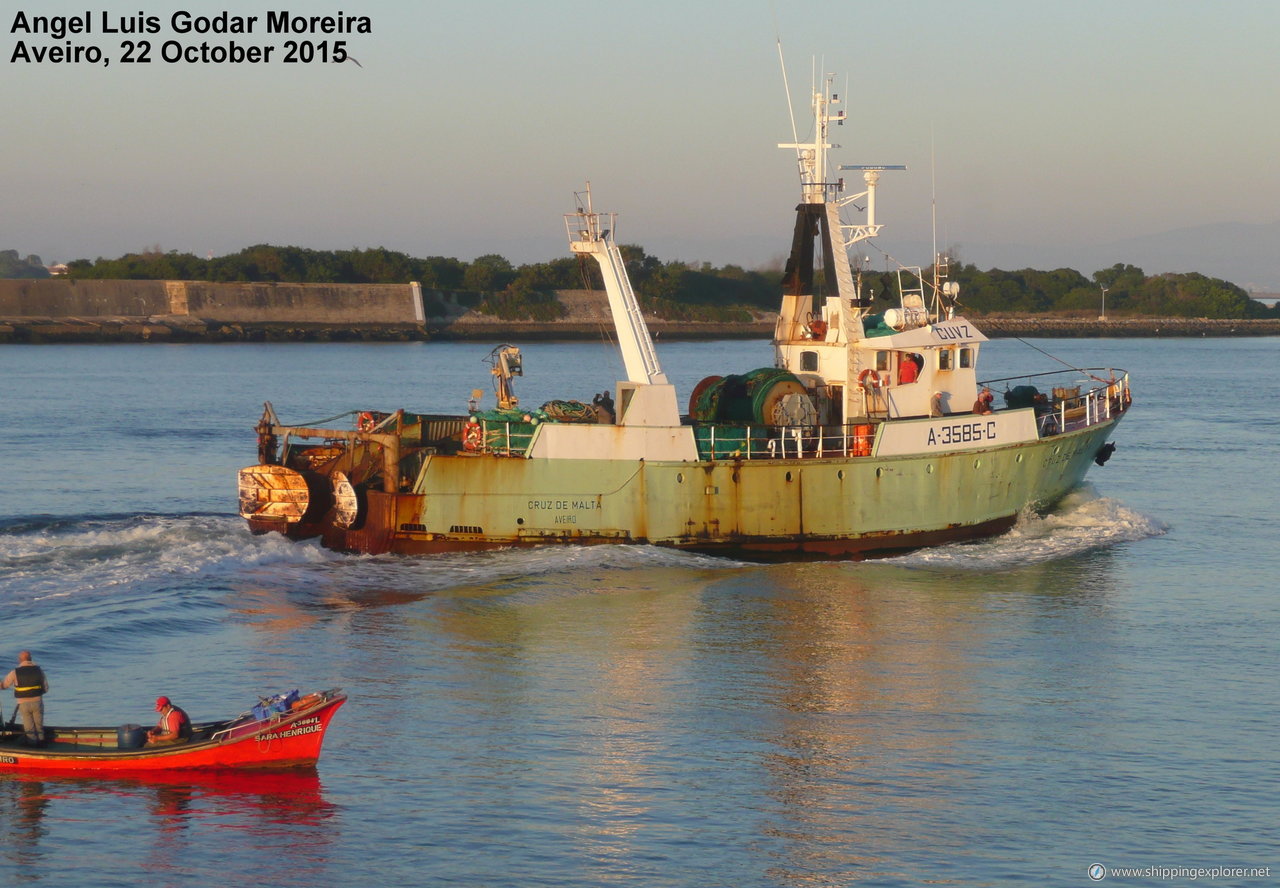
(966, 358)
(883, 361)
(809, 361)
(945, 357)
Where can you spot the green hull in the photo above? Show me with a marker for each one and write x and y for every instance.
(843, 507)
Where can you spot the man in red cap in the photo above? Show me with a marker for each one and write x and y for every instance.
(174, 725)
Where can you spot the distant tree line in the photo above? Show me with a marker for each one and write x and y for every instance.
(11, 266)
(1128, 292)
(674, 290)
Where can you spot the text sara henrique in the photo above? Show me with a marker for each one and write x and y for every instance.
(181, 37)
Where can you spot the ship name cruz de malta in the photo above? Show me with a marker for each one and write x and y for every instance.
(870, 434)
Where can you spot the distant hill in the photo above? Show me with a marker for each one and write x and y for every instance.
(1247, 255)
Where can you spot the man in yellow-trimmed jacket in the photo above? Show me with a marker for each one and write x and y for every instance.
(29, 687)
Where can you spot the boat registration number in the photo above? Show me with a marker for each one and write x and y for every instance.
(956, 433)
(306, 726)
(8, 760)
(962, 433)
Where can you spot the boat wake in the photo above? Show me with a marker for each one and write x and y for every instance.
(75, 557)
(80, 557)
(360, 580)
(58, 557)
(1083, 522)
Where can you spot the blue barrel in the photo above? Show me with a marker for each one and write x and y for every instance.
(131, 736)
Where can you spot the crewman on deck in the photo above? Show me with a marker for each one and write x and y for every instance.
(908, 370)
(29, 687)
(174, 725)
(983, 404)
(603, 403)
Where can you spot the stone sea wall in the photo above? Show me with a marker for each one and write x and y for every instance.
(60, 310)
(61, 298)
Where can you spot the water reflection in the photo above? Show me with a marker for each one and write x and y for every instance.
(886, 703)
(176, 823)
(23, 803)
(613, 716)
(574, 684)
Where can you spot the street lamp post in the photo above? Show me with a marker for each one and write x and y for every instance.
(1103, 316)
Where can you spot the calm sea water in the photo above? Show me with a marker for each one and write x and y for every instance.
(1097, 686)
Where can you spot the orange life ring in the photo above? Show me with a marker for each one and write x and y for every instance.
(472, 436)
(871, 375)
(366, 422)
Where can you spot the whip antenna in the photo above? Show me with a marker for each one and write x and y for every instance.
(933, 202)
(795, 136)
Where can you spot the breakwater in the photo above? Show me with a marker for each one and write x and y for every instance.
(60, 310)
(996, 327)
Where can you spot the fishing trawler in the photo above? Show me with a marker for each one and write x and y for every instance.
(872, 432)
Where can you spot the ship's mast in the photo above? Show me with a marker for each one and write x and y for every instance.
(812, 156)
(819, 215)
(870, 175)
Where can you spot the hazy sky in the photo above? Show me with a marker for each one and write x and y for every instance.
(467, 126)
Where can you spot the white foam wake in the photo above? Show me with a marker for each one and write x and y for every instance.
(494, 568)
(1083, 522)
(71, 557)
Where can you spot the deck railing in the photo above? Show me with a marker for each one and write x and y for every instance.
(729, 441)
(1070, 410)
(1067, 410)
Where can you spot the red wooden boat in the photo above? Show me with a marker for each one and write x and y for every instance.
(283, 732)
